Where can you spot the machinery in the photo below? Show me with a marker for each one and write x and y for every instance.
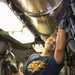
(31, 23)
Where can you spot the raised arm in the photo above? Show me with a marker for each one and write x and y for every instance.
(60, 42)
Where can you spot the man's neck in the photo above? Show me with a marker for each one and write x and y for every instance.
(47, 53)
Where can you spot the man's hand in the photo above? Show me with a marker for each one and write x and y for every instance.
(62, 24)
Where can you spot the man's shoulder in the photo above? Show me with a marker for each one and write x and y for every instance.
(34, 55)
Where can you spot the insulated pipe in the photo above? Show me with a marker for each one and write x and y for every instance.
(70, 41)
(2, 47)
(71, 45)
(72, 2)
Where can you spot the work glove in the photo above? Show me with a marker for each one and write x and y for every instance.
(64, 21)
(62, 24)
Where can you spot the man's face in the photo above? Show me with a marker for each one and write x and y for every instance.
(50, 44)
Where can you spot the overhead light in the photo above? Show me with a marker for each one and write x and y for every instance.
(38, 44)
(38, 47)
(23, 37)
(8, 20)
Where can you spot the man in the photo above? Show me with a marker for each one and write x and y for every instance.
(51, 61)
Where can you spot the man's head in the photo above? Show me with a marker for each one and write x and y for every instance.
(50, 43)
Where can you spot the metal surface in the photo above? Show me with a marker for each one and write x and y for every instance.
(41, 13)
(38, 6)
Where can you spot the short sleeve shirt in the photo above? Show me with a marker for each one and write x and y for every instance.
(42, 65)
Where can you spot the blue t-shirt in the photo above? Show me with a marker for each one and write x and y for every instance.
(42, 65)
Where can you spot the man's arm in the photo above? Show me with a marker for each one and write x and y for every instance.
(60, 43)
